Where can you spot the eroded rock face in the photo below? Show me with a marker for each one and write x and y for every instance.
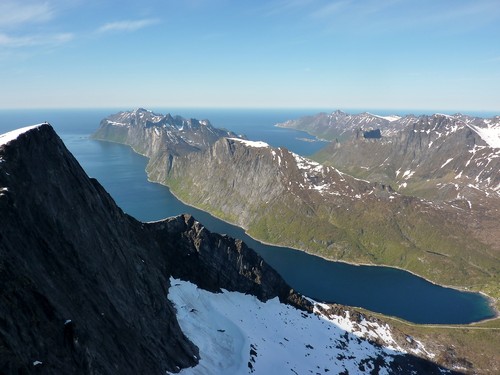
(84, 286)
(212, 262)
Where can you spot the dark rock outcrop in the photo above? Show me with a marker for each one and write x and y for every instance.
(372, 134)
(84, 286)
(80, 292)
(215, 262)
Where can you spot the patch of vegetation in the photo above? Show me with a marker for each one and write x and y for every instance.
(476, 345)
(366, 234)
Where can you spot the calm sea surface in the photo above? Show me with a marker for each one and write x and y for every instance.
(121, 172)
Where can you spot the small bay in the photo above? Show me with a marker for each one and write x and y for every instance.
(122, 173)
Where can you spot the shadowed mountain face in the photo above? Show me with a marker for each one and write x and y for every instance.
(84, 285)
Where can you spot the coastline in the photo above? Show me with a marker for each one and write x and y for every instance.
(492, 302)
(316, 139)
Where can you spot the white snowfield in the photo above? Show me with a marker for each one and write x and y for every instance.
(12, 135)
(238, 334)
(389, 118)
(490, 134)
(255, 144)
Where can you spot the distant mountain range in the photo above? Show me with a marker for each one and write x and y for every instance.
(442, 158)
(283, 198)
(445, 155)
(149, 133)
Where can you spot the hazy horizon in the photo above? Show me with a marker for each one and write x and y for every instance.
(306, 110)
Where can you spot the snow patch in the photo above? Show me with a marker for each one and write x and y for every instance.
(390, 118)
(490, 134)
(237, 334)
(116, 123)
(12, 135)
(446, 162)
(306, 164)
(255, 144)
(444, 115)
(408, 174)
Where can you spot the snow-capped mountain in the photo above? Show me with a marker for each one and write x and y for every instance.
(437, 157)
(238, 334)
(450, 160)
(340, 125)
(88, 289)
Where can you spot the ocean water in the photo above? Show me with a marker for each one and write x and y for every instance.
(121, 172)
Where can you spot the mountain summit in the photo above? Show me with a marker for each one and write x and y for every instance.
(87, 289)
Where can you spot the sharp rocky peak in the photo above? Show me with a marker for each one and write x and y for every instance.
(84, 286)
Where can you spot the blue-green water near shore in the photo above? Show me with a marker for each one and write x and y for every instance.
(121, 172)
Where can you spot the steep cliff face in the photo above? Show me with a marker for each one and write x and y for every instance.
(84, 285)
(152, 134)
(229, 177)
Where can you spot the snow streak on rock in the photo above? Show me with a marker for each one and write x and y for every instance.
(256, 144)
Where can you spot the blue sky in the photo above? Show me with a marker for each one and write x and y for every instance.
(388, 54)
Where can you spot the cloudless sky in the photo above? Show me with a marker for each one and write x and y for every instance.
(392, 54)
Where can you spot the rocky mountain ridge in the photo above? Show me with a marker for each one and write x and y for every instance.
(87, 289)
(440, 156)
(340, 125)
(453, 159)
(84, 285)
(152, 134)
(285, 199)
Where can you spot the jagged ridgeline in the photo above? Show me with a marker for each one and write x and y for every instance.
(283, 198)
(87, 289)
(439, 157)
(84, 286)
